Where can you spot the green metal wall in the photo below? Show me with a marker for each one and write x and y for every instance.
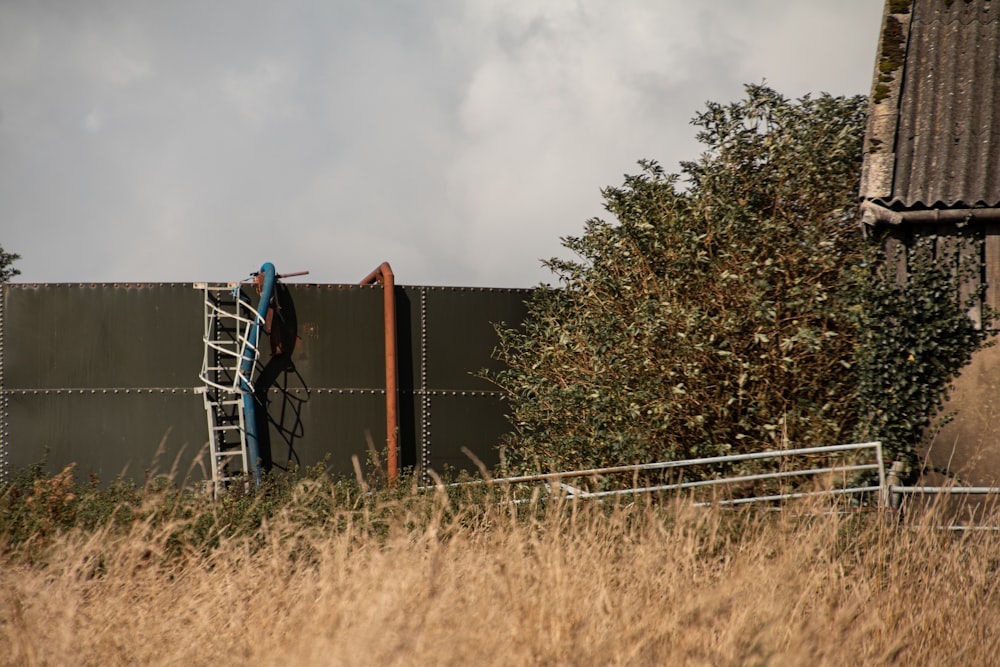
(106, 376)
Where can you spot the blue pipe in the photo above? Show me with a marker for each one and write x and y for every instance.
(247, 368)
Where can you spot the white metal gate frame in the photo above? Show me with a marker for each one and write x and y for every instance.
(889, 492)
(556, 482)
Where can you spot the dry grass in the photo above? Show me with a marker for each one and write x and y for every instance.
(431, 581)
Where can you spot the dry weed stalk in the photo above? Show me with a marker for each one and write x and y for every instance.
(435, 580)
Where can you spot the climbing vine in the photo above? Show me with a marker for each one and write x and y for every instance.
(915, 335)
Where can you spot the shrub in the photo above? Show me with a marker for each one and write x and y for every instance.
(714, 316)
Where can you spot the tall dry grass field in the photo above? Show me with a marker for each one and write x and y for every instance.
(432, 580)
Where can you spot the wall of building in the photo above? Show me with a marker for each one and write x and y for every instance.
(967, 443)
(106, 376)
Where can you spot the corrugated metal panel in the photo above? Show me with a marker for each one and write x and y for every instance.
(457, 408)
(336, 425)
(98, 374)
(460, 333)
(942, 146)
(106, 432)
(340, 341)
(473, 421)
(61, 336)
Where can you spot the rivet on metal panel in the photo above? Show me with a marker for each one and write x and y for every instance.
(3, 403)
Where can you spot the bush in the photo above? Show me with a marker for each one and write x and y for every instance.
(715, 316)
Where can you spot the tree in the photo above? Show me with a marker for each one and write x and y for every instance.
(7, 271)
(715, 315)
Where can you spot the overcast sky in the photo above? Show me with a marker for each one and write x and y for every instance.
(190, 141)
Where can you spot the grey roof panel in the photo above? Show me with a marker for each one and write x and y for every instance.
(936, 111)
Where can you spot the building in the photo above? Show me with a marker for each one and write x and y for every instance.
(932, 171)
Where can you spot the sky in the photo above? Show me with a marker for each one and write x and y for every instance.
(188, 141)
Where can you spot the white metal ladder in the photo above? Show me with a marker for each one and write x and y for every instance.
(229, 319)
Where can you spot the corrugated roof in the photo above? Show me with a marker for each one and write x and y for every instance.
(933, 135)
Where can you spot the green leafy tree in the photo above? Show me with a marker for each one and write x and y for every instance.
(714, 315)
(7, 270)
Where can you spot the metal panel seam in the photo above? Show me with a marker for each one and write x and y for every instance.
(3, 397)
(425, 425)
(34, 391)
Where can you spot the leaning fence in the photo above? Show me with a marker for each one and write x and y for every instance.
(855, 470)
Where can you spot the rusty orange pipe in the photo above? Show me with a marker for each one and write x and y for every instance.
(383, 275)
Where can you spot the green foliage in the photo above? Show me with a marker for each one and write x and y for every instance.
(7, 270)
(36, 508)
(915, 335)
(737, 307)
(38, 512)
(714, 316)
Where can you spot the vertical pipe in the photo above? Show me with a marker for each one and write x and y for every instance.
(247, 368)
(383, 274)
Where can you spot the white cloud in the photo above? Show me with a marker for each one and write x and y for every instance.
(459, 141)
(262, 92)
(93, 121)
(562, 99)
(111, 52)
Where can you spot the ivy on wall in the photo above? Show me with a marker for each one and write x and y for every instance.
(914, 337)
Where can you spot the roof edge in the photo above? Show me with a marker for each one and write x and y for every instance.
(873, 214)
